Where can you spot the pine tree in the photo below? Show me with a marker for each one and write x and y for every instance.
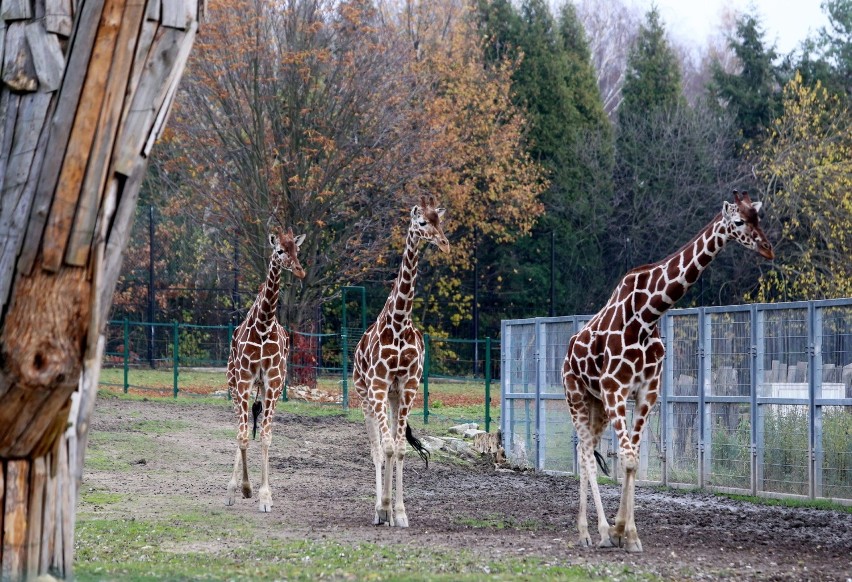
(751, 94)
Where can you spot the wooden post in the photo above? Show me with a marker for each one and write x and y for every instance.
(85, 90)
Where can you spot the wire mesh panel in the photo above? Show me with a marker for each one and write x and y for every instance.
(556, 336)
(519, 432)
(836, 441)
(730, 393)
(833, 423)
(682, 388)
(785, 448)
(782, 433)
(682, 447)
(556, 444)
(519, 377)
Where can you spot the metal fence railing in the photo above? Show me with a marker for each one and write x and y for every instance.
(178, 358)
(755, 399)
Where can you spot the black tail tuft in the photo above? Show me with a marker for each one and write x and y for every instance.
(256, 408)
(602, 463)
(418, 446)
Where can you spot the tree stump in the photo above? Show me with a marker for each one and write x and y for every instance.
(85, 90)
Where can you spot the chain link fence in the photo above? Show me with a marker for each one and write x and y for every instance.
(755, 399)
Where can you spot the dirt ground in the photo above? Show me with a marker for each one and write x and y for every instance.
(323, 479)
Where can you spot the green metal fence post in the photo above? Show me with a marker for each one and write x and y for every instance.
(126, 353)
(344, 343)
(175, 358)
(487, 384)
(426, 342)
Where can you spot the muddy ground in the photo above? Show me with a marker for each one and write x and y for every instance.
(323, 479)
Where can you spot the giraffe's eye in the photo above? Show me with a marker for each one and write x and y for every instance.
(421, 222)
(739, 222)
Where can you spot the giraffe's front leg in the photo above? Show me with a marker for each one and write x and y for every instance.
(406, 399)
(384, 450)
(241, 399)
(273, 389)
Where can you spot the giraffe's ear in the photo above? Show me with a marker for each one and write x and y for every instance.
(757, 205)
(728, 209)
(299, 240)
(416, 212)
(272, 239)
(441, 212)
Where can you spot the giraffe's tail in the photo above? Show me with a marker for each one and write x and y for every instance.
(415, 442)
(602, 463)
(255, 412)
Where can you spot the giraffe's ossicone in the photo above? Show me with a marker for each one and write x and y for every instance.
(258, 356)
(388, 365)
(618, 355)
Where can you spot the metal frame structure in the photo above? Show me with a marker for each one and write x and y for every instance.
(755, 399)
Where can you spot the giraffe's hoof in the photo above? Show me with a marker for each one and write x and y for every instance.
(585, 541)
(264, 506)
(382, 517)
(229, 501)
(401, 520)
(608, 542)
(246, 491)
(634, 547)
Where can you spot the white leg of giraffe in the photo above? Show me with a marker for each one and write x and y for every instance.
(403, 407)
(376, 454)
(389, 451)
(624, 531)
(241, 408)
(272, 389)
(583, 410)
(385, 452)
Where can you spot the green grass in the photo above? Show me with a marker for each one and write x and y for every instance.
(175, 549)
(790, 502)
(99, 496)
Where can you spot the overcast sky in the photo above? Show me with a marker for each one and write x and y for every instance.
(786, 22)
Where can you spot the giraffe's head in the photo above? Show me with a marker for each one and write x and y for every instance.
(743, 224)
(285, 250)
(426, 223)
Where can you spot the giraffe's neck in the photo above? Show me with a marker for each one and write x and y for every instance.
(266, 304)
(670, 279)
(398, 307)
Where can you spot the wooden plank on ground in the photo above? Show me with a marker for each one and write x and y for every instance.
(16, 10)
(58, 17)
(60, 220)
(66, 106)
(18, 69)
(38, 478)
(48, 59)
(149, 97)
(179, 13)
(93, 186)
(15, 522)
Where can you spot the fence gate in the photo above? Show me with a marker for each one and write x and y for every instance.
(755, 399)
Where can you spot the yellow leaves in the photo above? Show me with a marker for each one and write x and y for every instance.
(807, 160)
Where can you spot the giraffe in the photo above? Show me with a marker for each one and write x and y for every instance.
(619, 355)
(258, 357)
(388, 365)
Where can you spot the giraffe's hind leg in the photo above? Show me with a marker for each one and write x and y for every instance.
(585, 412)
(374, 434)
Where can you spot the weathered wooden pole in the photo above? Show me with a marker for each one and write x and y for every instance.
(85, 90)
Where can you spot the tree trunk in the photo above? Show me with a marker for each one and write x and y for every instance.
(86, 89)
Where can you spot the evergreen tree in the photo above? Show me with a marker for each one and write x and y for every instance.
(752, 94)
(570, 135)
(653, 78)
